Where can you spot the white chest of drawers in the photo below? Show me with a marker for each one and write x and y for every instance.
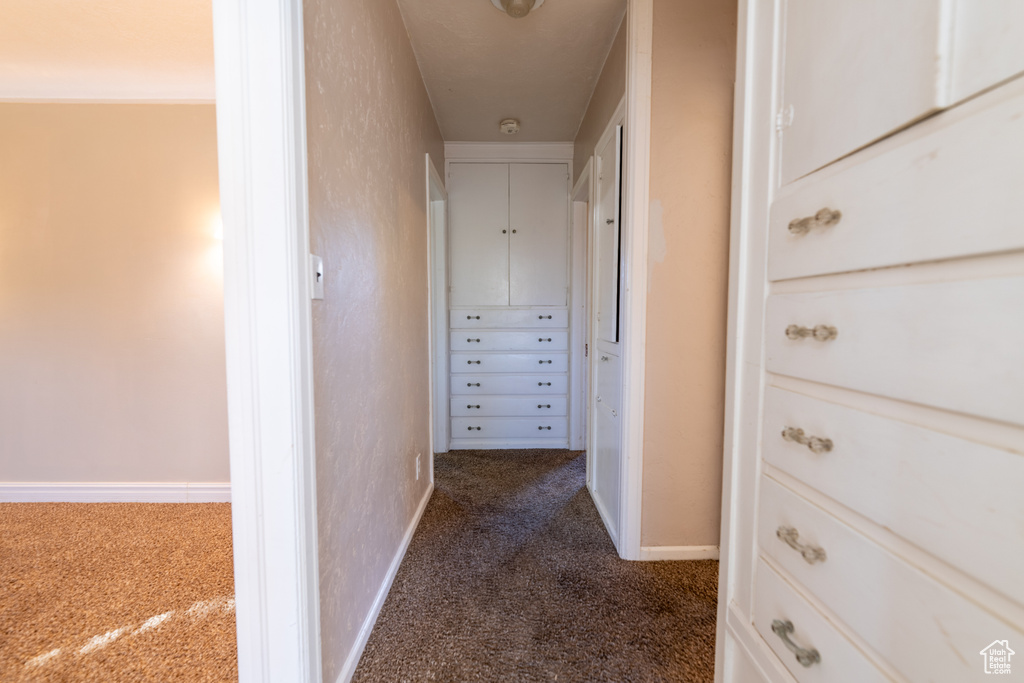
(873, 513)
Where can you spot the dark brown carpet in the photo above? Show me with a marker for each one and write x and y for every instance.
(116, 592)
(512, 577)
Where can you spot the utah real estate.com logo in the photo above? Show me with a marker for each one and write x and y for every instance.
(997, 657)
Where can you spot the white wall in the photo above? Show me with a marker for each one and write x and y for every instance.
(369, 124)
(111, 295)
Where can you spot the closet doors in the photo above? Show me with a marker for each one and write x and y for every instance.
(478, 197)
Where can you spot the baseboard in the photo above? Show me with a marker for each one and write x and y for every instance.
(114, 492)
(679, 552)
(371, 618)
(609, 527)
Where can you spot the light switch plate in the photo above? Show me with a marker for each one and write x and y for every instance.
(316, 276)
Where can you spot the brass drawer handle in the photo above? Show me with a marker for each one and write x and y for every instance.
(806, 657)
(815, 443)
(471, 407)
(825, 218)
(541, 405)
(543, 317)
(543, 384)
(542, 362)
(541, 339)
(791, 537)
(820, 333)
(472, 317)
(548, 428)
(471, 362)
(473, 384)
(473, 340)
(476, 428)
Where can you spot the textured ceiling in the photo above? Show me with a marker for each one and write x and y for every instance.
(481, 66)
(106, 49)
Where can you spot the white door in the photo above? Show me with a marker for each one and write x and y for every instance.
(478, 226)
(606, 378)
(539, 240)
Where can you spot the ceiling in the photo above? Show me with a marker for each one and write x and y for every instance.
(481, 66)
(137, 50)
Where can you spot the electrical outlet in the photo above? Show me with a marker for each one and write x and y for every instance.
(417, 467)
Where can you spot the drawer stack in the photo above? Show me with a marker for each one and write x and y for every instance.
(509, 377)
(890, 506)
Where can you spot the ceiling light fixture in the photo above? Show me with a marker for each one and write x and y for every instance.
(509, 126)
(517, 9)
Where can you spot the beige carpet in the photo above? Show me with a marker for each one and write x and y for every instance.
(512, 577)
(116, 592)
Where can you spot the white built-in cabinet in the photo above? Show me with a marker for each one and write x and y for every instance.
(508, 274)
(874, 465)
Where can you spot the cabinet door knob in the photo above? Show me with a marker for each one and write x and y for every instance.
(543, 317)
(548, 428)
(814, 443)
(514, 232)
(471, 384)
(806, 657)
(541, 339)
(543, 384)
(820, 333)
(540, 405)
(473, 340)
(791, 537)
(825, 218)
(471, 362)
(504, 231)
(471, 407)
(472, 317)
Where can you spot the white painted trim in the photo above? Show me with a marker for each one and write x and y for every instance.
(115, 492)
(106, 100)
(508, 151)
(352, 661)
(437, 301)
(636, 194)
(579, 321)
(679, 552)
(261, 140)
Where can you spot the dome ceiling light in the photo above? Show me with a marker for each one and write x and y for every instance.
(517, 9)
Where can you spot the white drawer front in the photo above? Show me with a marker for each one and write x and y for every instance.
(502, 340)
(958, 500)
(509, 427)
(509, 384)
(470, 318)
(508, 406)
(509, 362)
(948, 187)
(855, 70)
(954, 345)
(920, 627)
(841, 661)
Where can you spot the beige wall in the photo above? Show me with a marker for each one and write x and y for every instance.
(691, 132)
(369, 125)
(111, 295)
(609, 91)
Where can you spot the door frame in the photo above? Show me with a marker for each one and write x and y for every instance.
(581, 201)
(261, 141)
(437, 288)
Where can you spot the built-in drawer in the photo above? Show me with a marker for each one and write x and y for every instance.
(954, 345)
(922, 628)
(956, 499)
(837, 660)
(470, 318)
(948, 187)
(509, 384)
(509, 427)
(504, 340)
(509, 362)
(508, 406)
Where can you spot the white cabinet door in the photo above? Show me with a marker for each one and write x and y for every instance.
(606, 239)
(539, 240)
(855, 70)
(478, 225)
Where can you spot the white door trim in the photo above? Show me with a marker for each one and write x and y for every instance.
(437, 288)
(579, 321)
(636, 192)
(261, 139)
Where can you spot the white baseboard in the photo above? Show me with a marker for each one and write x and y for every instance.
(679, 552)
(114, 492)
(371, 618)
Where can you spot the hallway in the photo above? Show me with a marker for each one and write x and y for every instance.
(511, 576)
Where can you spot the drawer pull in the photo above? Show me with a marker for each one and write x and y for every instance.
(820, 333)
(548, 428)
(471, 407)
(815, 443)
(543, 384)
(476, 428)
(543, 317)
(541, 339)
(473, 340)
(825, 218)
(472, 317)
(605, 358)
(470, 362)
(806, 657)
(791, 537)
(542, 362)
(541, 405)
(473, 384)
